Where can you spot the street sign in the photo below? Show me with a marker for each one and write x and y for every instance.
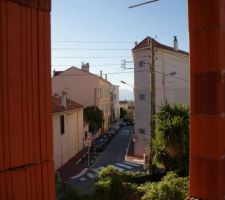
(88, 141)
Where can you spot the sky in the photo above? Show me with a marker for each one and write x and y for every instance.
(103, 32)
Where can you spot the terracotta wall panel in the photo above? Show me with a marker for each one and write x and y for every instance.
(42, 81)
(203, 14)
(14, 83)
(206, 42)
(206, 92)
(202, 177)
(2, 187)
(35, 85)
(207, 50)
(26, 166)
(4, 83)
(18, 190)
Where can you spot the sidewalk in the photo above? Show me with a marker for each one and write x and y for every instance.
(130, 154)
(72, 168)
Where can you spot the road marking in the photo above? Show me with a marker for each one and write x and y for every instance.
(123, 165)
(80, 174)
(83, 179)
(132, 164)
(95, 170)
(90, 175)
(119, 168)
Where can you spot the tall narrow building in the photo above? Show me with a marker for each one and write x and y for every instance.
(161, 74)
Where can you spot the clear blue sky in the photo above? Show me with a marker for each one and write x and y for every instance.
(112, 21)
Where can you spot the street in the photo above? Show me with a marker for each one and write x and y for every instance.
(114, 154)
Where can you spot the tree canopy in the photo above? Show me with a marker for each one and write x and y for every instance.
(95, 118)
(170, 145)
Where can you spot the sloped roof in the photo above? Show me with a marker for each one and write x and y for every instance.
(57, 105)
(56, 73)
(146, 42)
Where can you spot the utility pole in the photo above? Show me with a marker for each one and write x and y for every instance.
(152, 71)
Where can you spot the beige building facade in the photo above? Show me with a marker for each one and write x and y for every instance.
(85, 88)
(171, 71)
(67, 118)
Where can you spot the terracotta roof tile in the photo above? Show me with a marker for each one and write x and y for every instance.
(57, 105)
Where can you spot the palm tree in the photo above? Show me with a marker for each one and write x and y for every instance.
(171, 142)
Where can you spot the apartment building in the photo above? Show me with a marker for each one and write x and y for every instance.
(161, 74)
(67, 117)
(115, 102)
(85, 88)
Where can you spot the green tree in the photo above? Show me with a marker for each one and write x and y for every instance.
(95, 118)
(123, 113)
(170, 146)
(171, 187)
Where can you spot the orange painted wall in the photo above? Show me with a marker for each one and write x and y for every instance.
(26, 152)
(207, 57)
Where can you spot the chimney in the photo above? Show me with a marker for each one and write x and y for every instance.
(63, 99)
(105, 76)
(135, 43)
(100, 73)
(175, 43)
(85, 67)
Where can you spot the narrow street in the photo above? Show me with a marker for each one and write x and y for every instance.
(114, 154)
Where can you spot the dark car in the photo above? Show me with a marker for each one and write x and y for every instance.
(111, 133)
(106, 138)
(99, 144)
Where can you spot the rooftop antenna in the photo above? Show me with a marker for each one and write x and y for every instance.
(141, 4)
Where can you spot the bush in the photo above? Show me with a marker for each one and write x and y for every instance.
(112, 184)
(171, 187)
(67, 192)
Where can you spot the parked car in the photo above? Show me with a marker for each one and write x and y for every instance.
(106, 138)
(111, 132)
(99, 144)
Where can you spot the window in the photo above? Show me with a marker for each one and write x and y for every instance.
(62, 125)
(142, 131)
(142, 96)
(141, 63)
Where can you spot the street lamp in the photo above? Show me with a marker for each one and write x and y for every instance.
(127, 84)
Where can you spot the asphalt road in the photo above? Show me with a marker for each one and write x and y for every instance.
(114, 154)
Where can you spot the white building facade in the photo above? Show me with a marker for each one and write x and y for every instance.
(85, 88)
(67, 121)
(171, 74)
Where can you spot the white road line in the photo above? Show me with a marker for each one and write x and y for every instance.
(123, 165)
(80, 174)
(83, 179)
(90, 175)
(95, 170)
(119, 168)
(132, 164)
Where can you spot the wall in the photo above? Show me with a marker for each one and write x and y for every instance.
(142, 107)
(104, 101)
(79, 85)
(176, 88)
(26, 165)
(207, 50)
(70, 143)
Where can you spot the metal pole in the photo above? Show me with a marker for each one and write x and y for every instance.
(88, 157)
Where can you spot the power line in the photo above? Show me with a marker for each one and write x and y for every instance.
(127, 72)
(91, 57)
(141, 4)
(91, 42)
(96, 65)
(79, 49)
